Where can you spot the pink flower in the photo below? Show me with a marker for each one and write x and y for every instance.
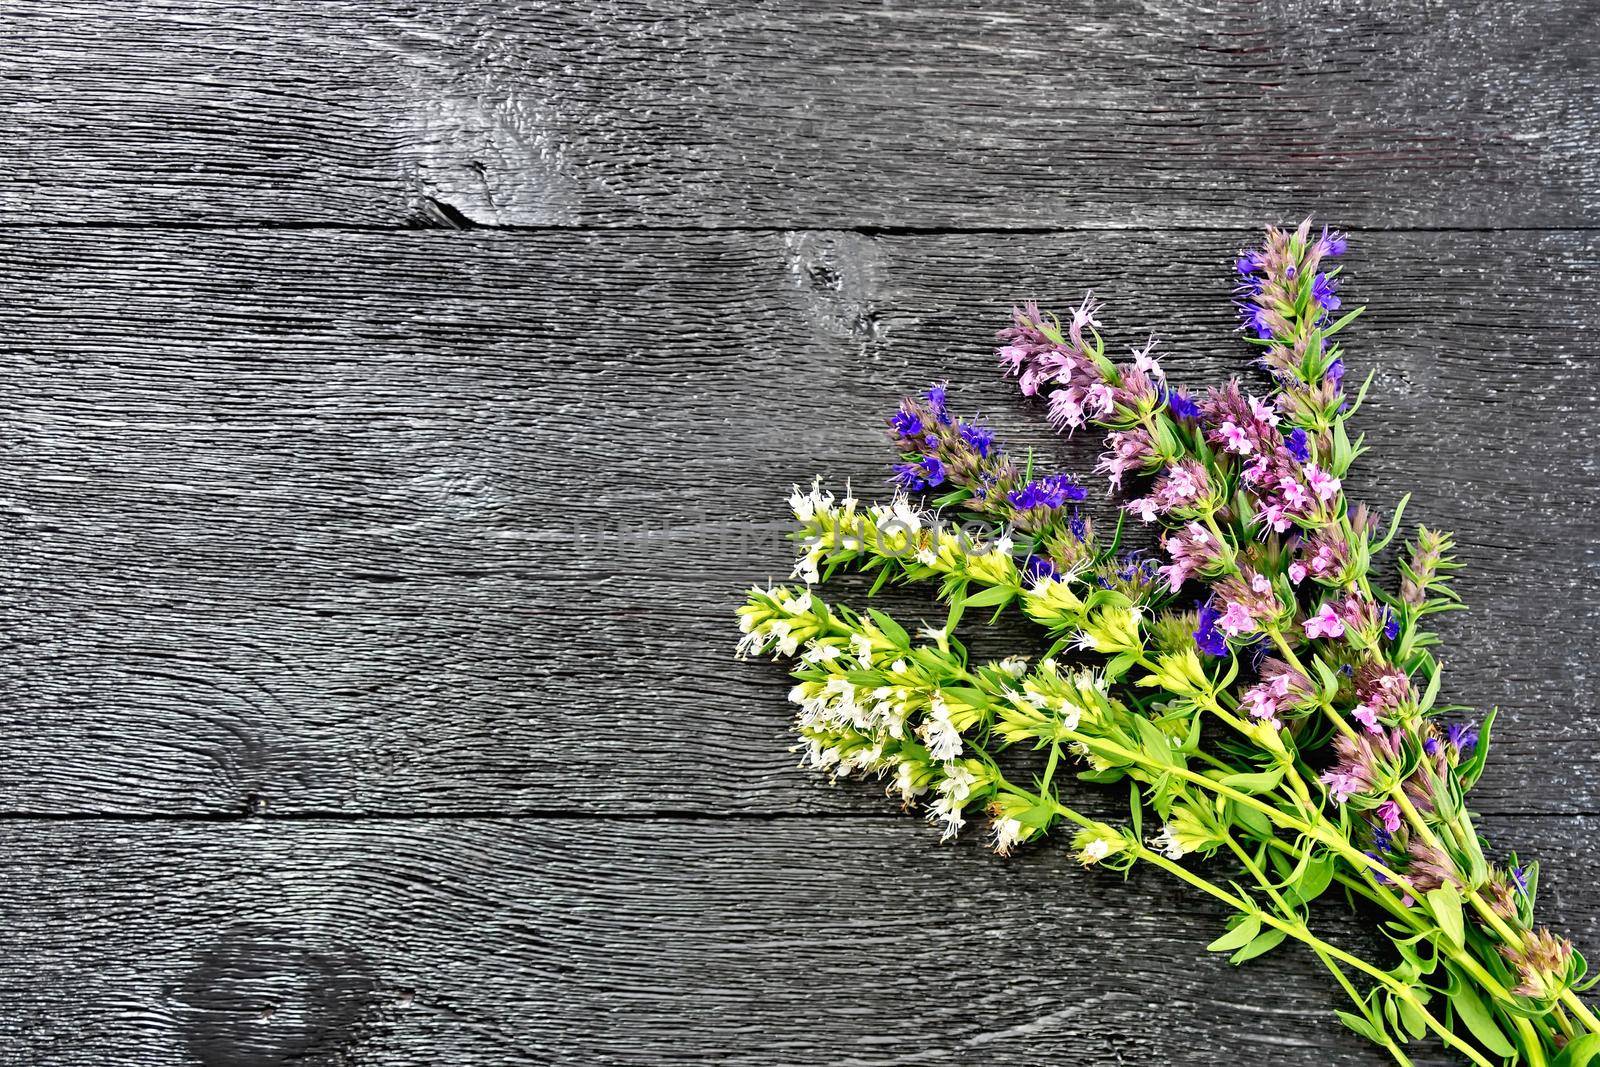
(1066, 407)
(1276, 518)
(1325, 485)
(1103, 400)
(1237, 440)
(1366, 717)
(1176, 574)
(1144, 507)
(1259, 701)
(1325, 623)
(1236, 620)
(1297, 573)
(1261, 583)
(1144, 361)
(1341, 785)
(1389, 812)
(1295, 496)
(1264, 412)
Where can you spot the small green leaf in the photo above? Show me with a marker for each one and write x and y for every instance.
(1345, 320)
(1445, 903)
(1361, 1026)
(1258, 782)
(1154, 742)
(1394, 525)
(1265, 941)
(995, 594)
(891, 629)
(1469, 771)
(1253, 819)
(1471, 1011)
(1411, 1018)
(1239, 936)
(1315, 879)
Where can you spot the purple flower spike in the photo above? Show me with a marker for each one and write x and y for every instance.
(1331, 243)
(925, 473)
(1206, 635)
(1464, 736)
(1038, 568)
(978, 438)
(1297, 445)
(905, 423)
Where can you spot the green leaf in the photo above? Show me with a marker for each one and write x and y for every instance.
(1344, 321)
(1238, 936)
(1471, 1011)
(1136, 808)
(1579, 1053)
(1258, 782)
(1154, 742)
(995, 594)
(1394, 525)
(1265, 941)
(1361, 1026)
(1445, 903)
(1253, 820)
(891, 629)
(1410, 1017)
(958, 604)
(1315, 879)
(1469, 771)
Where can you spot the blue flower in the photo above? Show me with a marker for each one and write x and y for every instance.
(1038, 568)
(1079, 528)
(1519, 878)
(1335, 372)
(978, 438)
(925, 473)
(1381, 840)
(1332, 242)
(1255, 317)
(905, 423)
(1182, 407)
(1322, 291)
(1051, 491)
(1206, 635)
(936, 394)
(1464, 736)
(1391, 624)
(1296, 443)
(1431, 746)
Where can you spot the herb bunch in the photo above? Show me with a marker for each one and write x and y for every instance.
(1271, 702)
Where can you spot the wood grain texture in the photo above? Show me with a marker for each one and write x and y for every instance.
(476, 942)
(455, 522)
(918, 114)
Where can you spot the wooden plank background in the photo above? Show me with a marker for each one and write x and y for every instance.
(398, 397)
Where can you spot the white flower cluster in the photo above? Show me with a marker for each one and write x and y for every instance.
(896, 531)
(778, 618)
(849, 729)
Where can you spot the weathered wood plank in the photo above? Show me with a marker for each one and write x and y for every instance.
(925, 114)
(585, 941)
(454, 522)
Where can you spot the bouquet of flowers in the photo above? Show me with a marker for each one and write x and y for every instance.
(1269, 699)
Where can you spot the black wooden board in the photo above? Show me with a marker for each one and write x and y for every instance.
(921, 114)
(367, 693)
(746, 941)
